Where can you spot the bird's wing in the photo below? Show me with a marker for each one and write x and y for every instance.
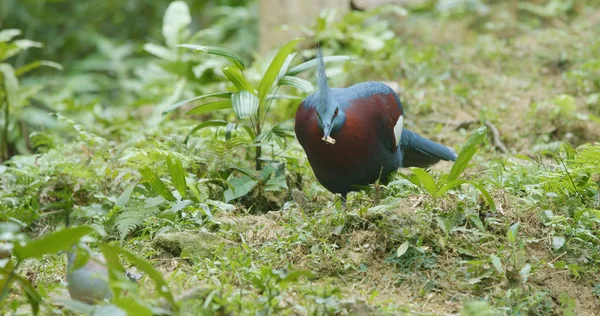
(421, 152)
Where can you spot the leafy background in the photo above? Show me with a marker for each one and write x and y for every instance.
(105, 117)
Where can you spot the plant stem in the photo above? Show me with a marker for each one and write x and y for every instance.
(4, 139)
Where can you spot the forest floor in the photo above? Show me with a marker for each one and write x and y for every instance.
(533, 250)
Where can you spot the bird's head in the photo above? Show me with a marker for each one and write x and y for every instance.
(330, 116)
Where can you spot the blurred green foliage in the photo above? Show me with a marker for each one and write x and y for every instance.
(499, 233)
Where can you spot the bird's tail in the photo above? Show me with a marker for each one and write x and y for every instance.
(421, 152)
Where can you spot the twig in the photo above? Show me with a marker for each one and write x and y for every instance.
(418, 203)
(562, 254)
(496, 136)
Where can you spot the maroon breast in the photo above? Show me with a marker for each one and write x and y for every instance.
(356, 153)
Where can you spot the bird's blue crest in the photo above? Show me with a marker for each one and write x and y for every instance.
(325, 97)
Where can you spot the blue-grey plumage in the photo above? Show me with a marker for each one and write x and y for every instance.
(417, 151)
(89, 283)
(354, 136)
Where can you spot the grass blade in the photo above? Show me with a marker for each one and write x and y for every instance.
(297, 83)
(271, 74)
(156, 183)
(202, 125)
(466, 153)
(233, 57)
(223, 95)
(426, 180)
(210, 107)
(235, 75)
(177, 174)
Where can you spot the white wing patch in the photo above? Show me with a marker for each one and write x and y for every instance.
(398, 129)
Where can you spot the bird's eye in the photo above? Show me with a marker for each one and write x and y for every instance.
(336, 112)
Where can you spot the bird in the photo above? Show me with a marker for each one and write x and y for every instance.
(89, 283)
(354, 136)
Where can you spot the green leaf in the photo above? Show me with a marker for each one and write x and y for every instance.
(235, 75)
(223, 95)
(312, 63)
(525, 272)
(239, 187)
(486, 195)
(466, 153)
(178, 174)
(52, 243)
(285, 66)
(160, 51)
(511, 234)
(36, 64)
(177, 17)
(126, 195)
(202, 125)
(297, 83)
(271, 74)
(558, 242)
(245, 104)
(11, 84)
(132, 307)
(427, 183)
(497, 264)
(210, 107)
(156, 183)
(402, 249)
(112, 252)
(233, 57)
(444, 224)
(32, 295)
(9, 34)
(449, 186)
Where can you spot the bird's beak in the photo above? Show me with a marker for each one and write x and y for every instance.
(326, 131)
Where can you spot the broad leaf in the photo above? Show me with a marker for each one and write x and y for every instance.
(222, 95)
(486, 195)
(126, 195)
(204, 125)
(132, 307)
(271, 74)
(298, 83)
(449, 186)
(160, 285)
(176, 19)
(52, 243)
(497, 263)
(9, 34)
(235, 75)
(156, 183)
(426, 180)
(210, 107)
(178, 174)
(233, 57)
(239, 187)
(245, 104)
(160, 51)
(313, 62)
(466, 153)
(402, 249)
(11, 84)
(511, 234)
(36, 64)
